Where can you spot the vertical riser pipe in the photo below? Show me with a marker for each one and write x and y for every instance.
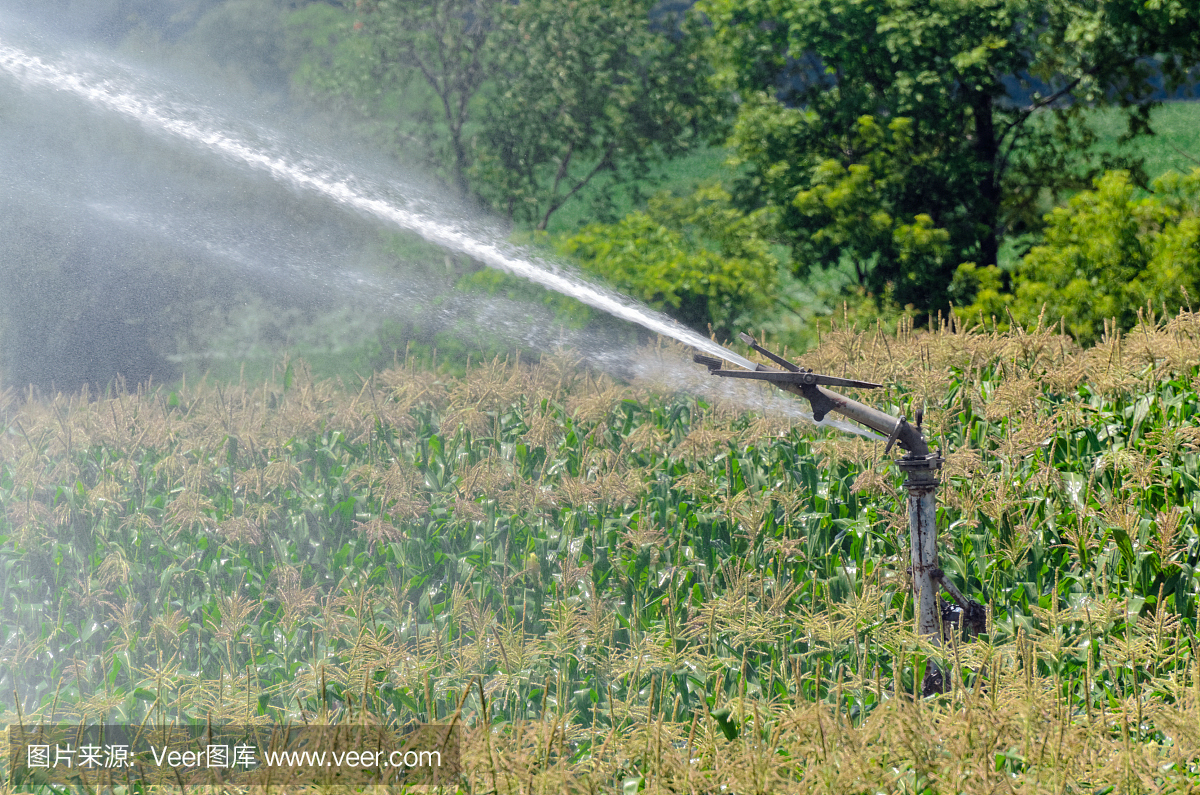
(922, 526)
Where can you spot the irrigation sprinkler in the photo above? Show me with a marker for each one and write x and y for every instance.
(935, 619)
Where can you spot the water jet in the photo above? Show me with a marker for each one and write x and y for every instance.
(166, 117)
(124, 95)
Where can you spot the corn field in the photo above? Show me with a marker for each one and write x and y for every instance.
(613, 587)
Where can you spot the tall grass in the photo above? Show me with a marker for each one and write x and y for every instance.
(618, 588)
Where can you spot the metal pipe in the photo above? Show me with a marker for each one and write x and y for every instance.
(922, 483)
(922, 527)
(922, 469)
(823, 401)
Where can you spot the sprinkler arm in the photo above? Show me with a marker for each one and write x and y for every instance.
(897, 429)
(809, 385)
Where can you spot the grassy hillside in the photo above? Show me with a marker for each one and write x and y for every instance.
(1175, 146)
(616, 587)
(680, 176)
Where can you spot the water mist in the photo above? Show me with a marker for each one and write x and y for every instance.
(165, 115)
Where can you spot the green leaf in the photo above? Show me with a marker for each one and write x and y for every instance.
(728, 727)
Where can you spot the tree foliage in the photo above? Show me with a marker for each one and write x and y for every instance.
(990, 98)
(1106, 255)
(581, 89)
(518, 105)
(855, 210)
(702, 260)
(442, 46)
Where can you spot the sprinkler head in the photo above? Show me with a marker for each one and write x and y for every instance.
(708, 361)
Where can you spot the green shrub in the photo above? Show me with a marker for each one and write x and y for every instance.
(1106, 254)
(697, 258)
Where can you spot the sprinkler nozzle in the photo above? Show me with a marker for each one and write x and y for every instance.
(708, 361)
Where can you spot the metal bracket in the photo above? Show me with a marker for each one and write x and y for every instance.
(799, 377)
(967, 614)
(779, 360)
(900, 426)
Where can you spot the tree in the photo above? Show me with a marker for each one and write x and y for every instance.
(1106, 254)
(991, 98)
(442, 45)
(518, 104)
(855, 210)
(582, 88)
(246, 38)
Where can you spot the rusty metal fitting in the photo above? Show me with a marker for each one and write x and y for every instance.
(922, 470)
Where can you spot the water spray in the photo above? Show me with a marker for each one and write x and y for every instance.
(934, 618)
(197, 126)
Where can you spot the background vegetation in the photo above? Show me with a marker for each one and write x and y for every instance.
(944, 140)
(1103, 255)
